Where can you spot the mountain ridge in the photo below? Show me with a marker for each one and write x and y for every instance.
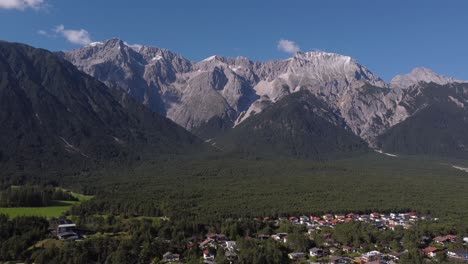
(212, 96)
(55, 116)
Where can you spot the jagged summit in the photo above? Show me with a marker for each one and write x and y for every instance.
(421, 74)
(191, 93)
(322, 55)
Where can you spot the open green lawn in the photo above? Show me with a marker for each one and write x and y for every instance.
(54, 210)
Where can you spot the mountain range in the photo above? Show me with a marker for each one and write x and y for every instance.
(218, 93)
(111, 101)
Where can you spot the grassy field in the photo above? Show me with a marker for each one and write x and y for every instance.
(55, 210)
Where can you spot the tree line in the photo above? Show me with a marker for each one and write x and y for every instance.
(33, 196)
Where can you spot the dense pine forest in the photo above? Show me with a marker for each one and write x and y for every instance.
(137, 216)
(33, 196)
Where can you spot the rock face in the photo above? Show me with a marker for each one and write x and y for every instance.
(191, 93)
(217, 93)
(437, 123)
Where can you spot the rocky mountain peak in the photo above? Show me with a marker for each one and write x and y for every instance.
(321, 56)
(421, 74)
(234, 89)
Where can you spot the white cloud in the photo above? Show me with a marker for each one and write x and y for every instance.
(42, 32)
(75, 36)
(288, 46)
(21, 4)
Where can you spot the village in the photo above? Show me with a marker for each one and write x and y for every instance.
(331, 251)
(327, 250)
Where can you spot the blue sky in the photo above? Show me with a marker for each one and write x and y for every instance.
(389, 37)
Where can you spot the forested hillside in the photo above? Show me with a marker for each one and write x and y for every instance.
(298, 126)
(57, 120)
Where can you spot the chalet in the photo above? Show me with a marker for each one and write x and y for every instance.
(316, 252)
(279, 236)
(451, 238)
(445, 239)
(363, 218)
(230, 246)
(413, 215)
(304, 219)
(348, 249)
(430, 251)
(351, 215)
(439, 239)
(340, 216)
(333, 250)
(315, 218)
(404, 216)
(66, 230)
(371, 256)
(208, 243)
(460, 255)
(296, 255)
(208, 255)
(329, 241)
(327, 217)
(171, 257)
(375, 215)
(340, 260)
(385, 217)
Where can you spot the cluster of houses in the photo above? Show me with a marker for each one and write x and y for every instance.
(377, 257)
(441, 248)
(330, 248)
(371, 257)
(214, 241)
(382, 221)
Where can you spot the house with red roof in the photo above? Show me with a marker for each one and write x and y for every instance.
(430, 251)
(374, 215)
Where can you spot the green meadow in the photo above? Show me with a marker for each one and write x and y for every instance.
(55, 210)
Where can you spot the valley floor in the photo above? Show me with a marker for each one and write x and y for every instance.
(182, 208)
(222, 188)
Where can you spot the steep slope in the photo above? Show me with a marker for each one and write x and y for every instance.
(299, 125)
(218, 88)
(438, 122)
(212, 96)
(55, 117)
